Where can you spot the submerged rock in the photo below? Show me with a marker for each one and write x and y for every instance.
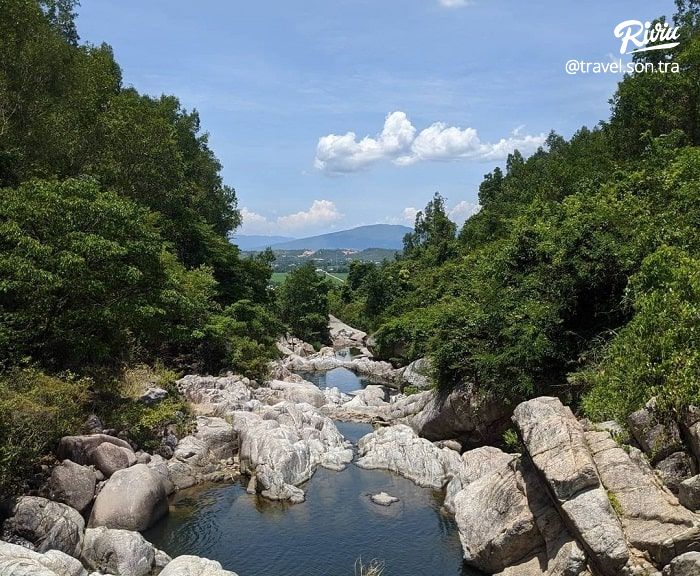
(399, 449)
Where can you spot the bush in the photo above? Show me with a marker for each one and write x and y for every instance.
(36, 410)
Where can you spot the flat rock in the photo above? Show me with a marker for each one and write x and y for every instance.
(383, 499)
(73, 484)
(398, 448)
(47, 525)
(132, 499)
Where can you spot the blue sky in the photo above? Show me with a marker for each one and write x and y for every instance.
(332, 114)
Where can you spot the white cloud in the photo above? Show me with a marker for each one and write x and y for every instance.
(400, 143)
(409, 214)
(454, 3)
(463, 211)
(320, 213)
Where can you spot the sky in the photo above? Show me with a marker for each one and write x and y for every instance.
(332, 114)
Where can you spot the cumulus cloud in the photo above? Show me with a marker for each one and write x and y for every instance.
(400, 143)
(320, 213)
(409, 214)
(463, 211)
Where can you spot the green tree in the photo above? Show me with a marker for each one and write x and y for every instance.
(303, 303)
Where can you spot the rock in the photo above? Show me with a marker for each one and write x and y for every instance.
(199, 453)
(153, 395)
(108, 458)
(73, 485)
(93, 425)
(467, 414)
(687, 564)
(383, 499)
(117, 552)
(399, 449)
(143, 457)
(691, 427)
(296, 392)
(674, 469)
(556, 444)
(132, 499)
(689, 493)
(222, 394)
(417, 374)
(371, 395)
(658, 438)
(78, 448)
(284, 444)
(653, 520)
(19, 561)
(47, 525)
(290, 345)
(194, 566)
(343, 335)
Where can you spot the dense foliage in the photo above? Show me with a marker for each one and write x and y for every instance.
(114, 243)
(578, 277)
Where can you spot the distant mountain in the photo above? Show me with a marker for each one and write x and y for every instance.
(249, 242)
(389, 236)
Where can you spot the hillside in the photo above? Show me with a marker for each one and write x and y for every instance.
(255, 242)
(388, 236)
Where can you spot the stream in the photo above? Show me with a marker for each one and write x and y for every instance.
(327, 534)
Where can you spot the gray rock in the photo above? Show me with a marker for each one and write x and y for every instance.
(399, 449)
(108, 458)
(78, 448)
(417, 374)
(47, 525)
(657, 437)
(132, 499)
(653, 520)
(296, 392)
(383, 499)
(73, 485)
(344, 335)
(19, 561)
(689, 493)
(691, 427)
(674, 469)
(117, 552)
(687, 564)
(153, 395)
(93, 425)
(194, 566)
(556, 444)
(198, 454)
(372, 395)
(465, 413)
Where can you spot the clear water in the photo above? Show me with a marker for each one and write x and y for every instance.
(342, 378)
(324, 536)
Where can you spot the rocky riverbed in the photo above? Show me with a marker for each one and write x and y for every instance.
(576, 499)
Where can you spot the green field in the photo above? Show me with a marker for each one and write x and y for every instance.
(278, 277)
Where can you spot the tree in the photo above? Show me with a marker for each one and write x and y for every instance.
(433, 237)
(303, 304)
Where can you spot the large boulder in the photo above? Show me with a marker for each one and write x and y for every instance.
(73, 484)
(507, 523)
(220, 394)
(475, 416)
(689, 493)
(117, 552)
(46, 525)
(557, 447)
(674, 469)
(194, 566)
(20, 561)
(296, 392)
(687, 564)
(78, 449)
(132, 499)
(653, 520)
(417, 374)
(344, 335)
(691, 426)
(200, 453)
(108, 458)
(657, 436)
(399, 449)
(281, 446)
